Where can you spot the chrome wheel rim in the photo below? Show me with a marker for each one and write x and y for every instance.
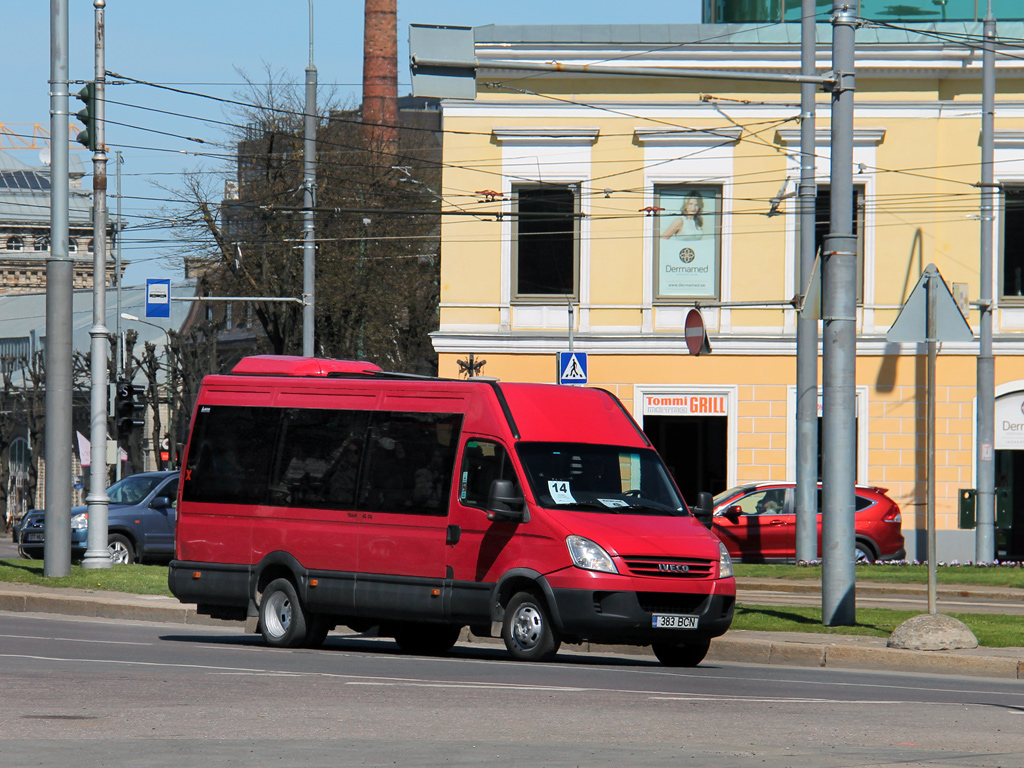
(278, 615)
(527, 627)
(118, 553)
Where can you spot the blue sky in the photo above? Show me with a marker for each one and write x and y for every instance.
(200, 47)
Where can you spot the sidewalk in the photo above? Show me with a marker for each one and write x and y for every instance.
(772, 648)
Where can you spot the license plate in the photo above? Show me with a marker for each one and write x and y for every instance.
(672, 621)
(34, 537)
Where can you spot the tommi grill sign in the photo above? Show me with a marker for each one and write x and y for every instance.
(686, 404)
(673, 568)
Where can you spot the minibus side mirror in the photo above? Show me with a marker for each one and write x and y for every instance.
(504, 504)
(705, 509)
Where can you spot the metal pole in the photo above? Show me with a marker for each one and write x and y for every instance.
(97, 501)
(839, 341)
(119, 364)
(931, 331)
(57, 544)
(309, 201)
(985, 545)
(807, 328)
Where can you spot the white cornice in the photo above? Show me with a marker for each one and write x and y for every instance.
(557, 135)
(862, 137)
(693, 137)
(675, 344)
(1009, 139)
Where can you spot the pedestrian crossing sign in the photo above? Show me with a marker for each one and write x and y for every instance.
(572, 367)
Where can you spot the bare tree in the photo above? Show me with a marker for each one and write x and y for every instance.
(377, 232)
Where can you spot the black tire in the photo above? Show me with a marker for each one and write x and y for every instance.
(122, 552)
(426, 639)
(681, 654)
(283, 620)
(864, 552)
(316, 631)
(527, 629)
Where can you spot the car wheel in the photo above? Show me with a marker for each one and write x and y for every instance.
(864, 553)
(527, 630)
(426, 639)
(681, 654)
(121, 550)
(283, 620)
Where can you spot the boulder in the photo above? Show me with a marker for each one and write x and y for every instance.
(932, 632)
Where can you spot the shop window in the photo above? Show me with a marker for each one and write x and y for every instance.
(1013, 243)
(687, 243)
(545, 241)
(822, 215)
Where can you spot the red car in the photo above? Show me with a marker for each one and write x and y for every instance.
(757, 523)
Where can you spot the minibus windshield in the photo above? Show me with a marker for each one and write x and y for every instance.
(600, 478)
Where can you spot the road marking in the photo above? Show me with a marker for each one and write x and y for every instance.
(74, 640)
(780, 700)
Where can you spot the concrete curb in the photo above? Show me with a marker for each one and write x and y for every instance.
(765, 648)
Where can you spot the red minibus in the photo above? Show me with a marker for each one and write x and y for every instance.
(318, 493)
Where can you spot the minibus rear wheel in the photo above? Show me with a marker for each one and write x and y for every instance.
(681, 654)
(527, 630)
(283, 620)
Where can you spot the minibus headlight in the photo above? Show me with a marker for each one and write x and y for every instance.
(586, 554)
(80, 521)
(724, 562)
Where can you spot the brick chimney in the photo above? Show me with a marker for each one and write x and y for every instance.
(380, 73)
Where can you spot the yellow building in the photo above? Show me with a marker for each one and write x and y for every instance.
(629, 200)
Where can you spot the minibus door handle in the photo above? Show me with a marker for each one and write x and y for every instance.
(454, 534)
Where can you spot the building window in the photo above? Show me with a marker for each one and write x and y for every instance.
(42, 243)
(687, 245)
(1013, 243)
(72, 246)
(14, 244)
(822, 216)
(545, 238)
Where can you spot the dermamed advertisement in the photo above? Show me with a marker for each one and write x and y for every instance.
(686, 247)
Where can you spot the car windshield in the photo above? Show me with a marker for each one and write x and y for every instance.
(600, 478)
(133, 489)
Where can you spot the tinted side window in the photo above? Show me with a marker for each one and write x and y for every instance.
(171, 491)
(229, 454)
(408, 462)
(318, 458)
(482, 463)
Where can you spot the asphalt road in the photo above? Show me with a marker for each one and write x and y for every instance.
(98, 693)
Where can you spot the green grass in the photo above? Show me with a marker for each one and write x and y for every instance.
(992, 630)
(135, 579)
(988, 576)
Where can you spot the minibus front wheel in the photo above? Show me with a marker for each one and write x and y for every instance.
(282, 618)
(681, 654)
(527, 629)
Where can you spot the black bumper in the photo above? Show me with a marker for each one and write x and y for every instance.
(620, 618)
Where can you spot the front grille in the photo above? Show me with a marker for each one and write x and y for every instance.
(670, 602)
(670, 567)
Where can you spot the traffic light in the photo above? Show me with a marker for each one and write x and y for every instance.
(128, 414)
(87, 117)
